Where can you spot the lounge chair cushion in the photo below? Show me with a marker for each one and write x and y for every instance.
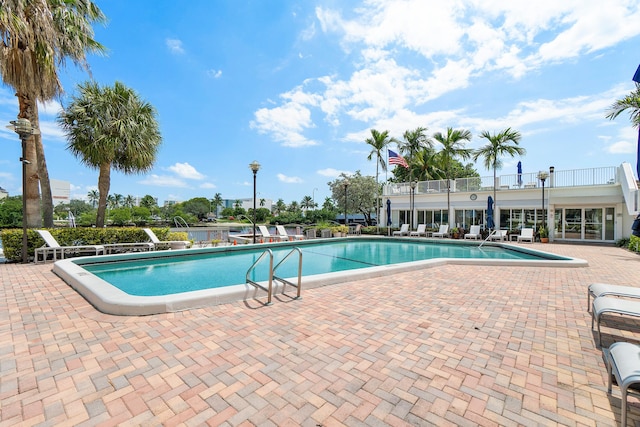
(602, 289)
(609, 305)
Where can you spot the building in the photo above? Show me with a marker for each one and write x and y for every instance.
(596, 205)
(3, 193)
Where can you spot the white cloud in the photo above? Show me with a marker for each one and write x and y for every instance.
(289, 179)
(207, 185)
(185, 170)
(49, 108)
(175, 46)
(333, 173)
(163, 181)
(621, 147)
(216, 74)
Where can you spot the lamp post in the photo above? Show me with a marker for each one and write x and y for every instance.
(313, 198)
(542, 176)
(24, 130)
(412, 198)
(255, 167)
(346, 184)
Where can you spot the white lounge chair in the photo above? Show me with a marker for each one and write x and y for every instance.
(420, 231)
(498, 235)
(608, 305)
(404, 230)
(603, 289)
(355, 230)
(623, 363)
(52, 247)
(526, 234)
(474, 233)
(443, 231)
(264, 231)
(282, 232)
(170, 244)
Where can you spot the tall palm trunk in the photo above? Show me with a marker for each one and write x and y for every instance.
(43, 173)
(104, 183)
(31, 190)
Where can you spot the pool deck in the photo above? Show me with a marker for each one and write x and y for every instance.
(455, 345)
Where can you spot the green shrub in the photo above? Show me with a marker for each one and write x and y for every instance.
(634, 243)
(12, 238)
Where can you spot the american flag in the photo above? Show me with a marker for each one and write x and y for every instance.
(397, 159)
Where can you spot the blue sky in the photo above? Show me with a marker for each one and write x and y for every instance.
(297, 85)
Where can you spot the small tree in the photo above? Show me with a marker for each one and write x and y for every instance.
(361, 194)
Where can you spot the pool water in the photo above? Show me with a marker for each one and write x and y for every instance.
(172, 275)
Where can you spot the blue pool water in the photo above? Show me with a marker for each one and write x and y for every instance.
(172, 275)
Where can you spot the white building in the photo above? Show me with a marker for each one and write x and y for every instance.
(597, 205)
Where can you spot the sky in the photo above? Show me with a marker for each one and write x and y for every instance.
(298, 85)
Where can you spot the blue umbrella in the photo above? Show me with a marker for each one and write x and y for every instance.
(490, 223)
(388, 213)
(519, 174)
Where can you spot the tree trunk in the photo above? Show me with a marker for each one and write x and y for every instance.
(31, 188)
(43, 173)
(104, 182)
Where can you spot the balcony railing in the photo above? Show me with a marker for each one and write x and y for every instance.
(568, 178)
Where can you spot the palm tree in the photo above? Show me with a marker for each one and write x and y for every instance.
(37, 37)
(118, 199)
(110, 127)
(497, 147)
(217, 201)
(631, 103)
(379, 142)
(414, 141)
(93, 197)
(307, 203)
(452, 147)
(129, 201)
(279, 207)
(263, 202)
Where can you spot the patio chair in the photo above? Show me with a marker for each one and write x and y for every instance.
(443, 231)
(603, 289)
(264, 231)
(498, 235)
(420, 231)
(355, 230)
(526, 234)
(404, 230)
(623, 363)
(474, 233)
(166, 244)
(282, 232)
(52, 247)
(608, 305)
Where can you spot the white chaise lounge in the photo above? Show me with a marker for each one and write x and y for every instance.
(53, 248)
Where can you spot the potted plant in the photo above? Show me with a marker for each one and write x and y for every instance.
(544, 234)
(455, 232)
(340, 230)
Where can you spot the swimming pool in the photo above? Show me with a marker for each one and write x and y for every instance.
(155, 282)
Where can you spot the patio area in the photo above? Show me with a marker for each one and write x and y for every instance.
(448, 346)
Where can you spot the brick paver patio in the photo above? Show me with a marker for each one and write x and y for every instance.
(455, 345)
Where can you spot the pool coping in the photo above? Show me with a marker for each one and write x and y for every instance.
(111, 300)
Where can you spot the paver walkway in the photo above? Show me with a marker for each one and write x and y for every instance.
(454, 345)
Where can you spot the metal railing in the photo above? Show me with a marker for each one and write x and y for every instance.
(269, 288)
(286, 282)
(568, 178)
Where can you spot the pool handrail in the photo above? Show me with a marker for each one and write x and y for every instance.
(286, 282)
(269, 289)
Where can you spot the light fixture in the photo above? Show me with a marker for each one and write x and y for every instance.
(255, 167)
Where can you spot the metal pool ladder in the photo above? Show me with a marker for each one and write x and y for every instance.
(286, 282)
(488, 237)
(269, 289)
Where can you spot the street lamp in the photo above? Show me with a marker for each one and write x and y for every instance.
(24, 130)
(412, 199)
(346, 184)
(255, 167)
(542, 176)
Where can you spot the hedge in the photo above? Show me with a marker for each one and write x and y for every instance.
(12, 238)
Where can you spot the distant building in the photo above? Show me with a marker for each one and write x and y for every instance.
(3, 193)
(594, 205)
(60, 192)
